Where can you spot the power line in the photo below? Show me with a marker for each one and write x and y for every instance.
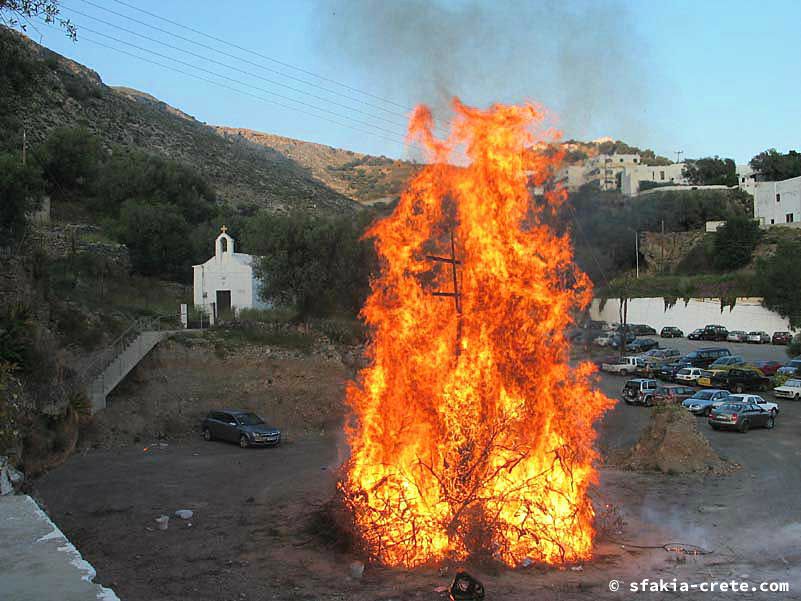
(236, 90)
(396, 135)
(263, 56)
(228, 54)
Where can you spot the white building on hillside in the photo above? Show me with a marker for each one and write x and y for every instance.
(572, 177)
(605, 168)
(227, 281)
(746, 179)
(632, 177)
(778, 202)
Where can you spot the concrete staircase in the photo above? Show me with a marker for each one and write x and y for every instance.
(103, 376)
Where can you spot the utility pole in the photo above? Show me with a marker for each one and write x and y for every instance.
(678, 155)
(637, 251)
(24, 145)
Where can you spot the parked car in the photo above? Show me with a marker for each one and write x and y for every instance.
(758, 337)
(714, 332)
(625, 366)
(616, 338)
(671, 332)
(756, 400)
(640, 329)
(705, 379)
(640, 345)
(740, 379)
(668, 371)
(688, 375)
(695, 334)
(244, 427)
(726, 362)
(791, 389)
(704, 357)
(741, 417)
(737, 336)
(661, 355)
(791, 368)
(603, 339)
(639, 391)
(702, 401)
(768, 368)
(672, 393)
(781, 338)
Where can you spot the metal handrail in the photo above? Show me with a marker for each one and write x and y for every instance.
(120, 344)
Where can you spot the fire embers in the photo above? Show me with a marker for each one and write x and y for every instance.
(471, 436)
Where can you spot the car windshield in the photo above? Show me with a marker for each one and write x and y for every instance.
(249, 419)
(703, 395)
(735, 407)
(793, 383)
(693, 355)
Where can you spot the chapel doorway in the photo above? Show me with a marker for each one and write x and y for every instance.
(223, 304)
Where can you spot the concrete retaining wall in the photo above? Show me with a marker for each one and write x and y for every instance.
(748, 314)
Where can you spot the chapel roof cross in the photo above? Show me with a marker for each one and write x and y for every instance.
(223, 229)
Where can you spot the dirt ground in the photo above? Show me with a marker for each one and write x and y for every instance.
(250, 539)
(169, 393)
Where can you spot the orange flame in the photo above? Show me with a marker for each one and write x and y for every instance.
(471, 436)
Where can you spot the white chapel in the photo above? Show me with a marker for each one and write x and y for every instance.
(227, 282)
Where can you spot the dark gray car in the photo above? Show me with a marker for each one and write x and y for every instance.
(242, 427)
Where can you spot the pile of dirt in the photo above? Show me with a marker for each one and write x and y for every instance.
(671, 443)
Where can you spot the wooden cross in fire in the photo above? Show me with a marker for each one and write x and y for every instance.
(457, 297)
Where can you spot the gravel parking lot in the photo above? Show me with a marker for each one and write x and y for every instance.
(250, 536)
(749, 352)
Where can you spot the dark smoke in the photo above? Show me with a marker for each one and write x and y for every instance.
(582, 60)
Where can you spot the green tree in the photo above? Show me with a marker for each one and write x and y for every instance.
(711, 171)
(773, 166)
(778, 278)
(133, 174)
(157, 236)
(70, 159)
(20, 192)
(735, 243)
(319, 265)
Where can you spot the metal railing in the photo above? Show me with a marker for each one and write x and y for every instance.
(131, 334)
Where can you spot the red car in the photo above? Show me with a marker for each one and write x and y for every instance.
(767, 367)
(781, 338)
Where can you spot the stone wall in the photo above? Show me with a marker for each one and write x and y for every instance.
(62, 240)
(664, 252)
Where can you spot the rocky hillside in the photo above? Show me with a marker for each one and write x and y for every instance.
(65, 93)
(365, 178)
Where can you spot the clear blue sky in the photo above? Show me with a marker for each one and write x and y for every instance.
(711, 77)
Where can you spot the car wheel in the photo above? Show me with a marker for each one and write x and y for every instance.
(738, 389)
(707, 411)
(774, 412)
(624, 373)
(207, 434)
(715, 426)
(797, 397)
(243, 442)
(744, 426)
(770, 423)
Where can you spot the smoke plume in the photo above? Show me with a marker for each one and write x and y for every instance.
(582, 60)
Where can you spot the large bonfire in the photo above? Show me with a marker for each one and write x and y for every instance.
(471, 436)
